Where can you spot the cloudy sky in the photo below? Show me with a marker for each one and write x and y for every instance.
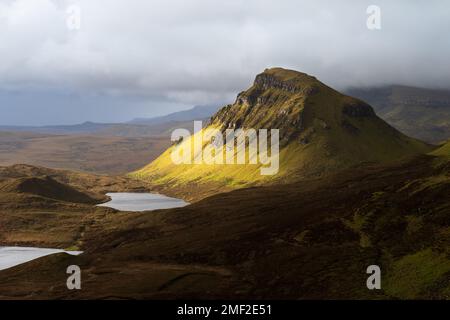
(136, 58)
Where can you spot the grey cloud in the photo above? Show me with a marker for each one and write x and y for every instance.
(202, 51)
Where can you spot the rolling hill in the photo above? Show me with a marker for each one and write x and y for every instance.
(320, 131)
(312, 239)
(49, 188)
(51, 208)
(31, 179)
(418, 112)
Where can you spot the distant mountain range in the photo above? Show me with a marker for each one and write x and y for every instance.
(158, 126)
(196, 113)
(418, 112)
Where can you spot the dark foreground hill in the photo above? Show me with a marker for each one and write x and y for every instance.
(94, 183)
(310, 239)
(47, 187)
(51, 208)
(25, 187)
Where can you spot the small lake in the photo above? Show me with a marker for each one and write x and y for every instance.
(13, 256)
(125, 201)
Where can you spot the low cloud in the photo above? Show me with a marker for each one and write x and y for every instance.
(202, 51)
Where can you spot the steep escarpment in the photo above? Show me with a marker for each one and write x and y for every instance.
(320, 131)
(418, 112)
(290, 101)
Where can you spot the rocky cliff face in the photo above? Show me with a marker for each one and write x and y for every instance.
(286, 100)
(299, 84)
(418, 112)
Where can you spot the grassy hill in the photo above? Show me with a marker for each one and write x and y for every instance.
(312, 239)
(444, 150)
(321, 131)
(22, 178)
(52, 208)
(418, 112)
(47, 187)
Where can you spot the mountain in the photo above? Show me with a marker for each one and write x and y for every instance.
(418, 112)
(320, 131)
(196, 113)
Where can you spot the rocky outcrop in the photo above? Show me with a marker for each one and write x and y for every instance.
(358, 109)
(266, 81)
(280, 99)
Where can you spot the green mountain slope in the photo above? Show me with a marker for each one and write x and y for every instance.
(444, 150)
(320, 129)
(418, 112)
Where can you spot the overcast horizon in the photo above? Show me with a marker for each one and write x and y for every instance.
(144, 59)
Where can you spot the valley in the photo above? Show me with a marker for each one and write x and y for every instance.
(310, 239)
(214, 159)
(105, 148)
(351, 192)
(89, 153)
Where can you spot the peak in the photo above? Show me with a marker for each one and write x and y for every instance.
(286, 80)
(285, 74)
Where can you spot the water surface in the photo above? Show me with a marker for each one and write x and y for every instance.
(13, 256)
(126, 201)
